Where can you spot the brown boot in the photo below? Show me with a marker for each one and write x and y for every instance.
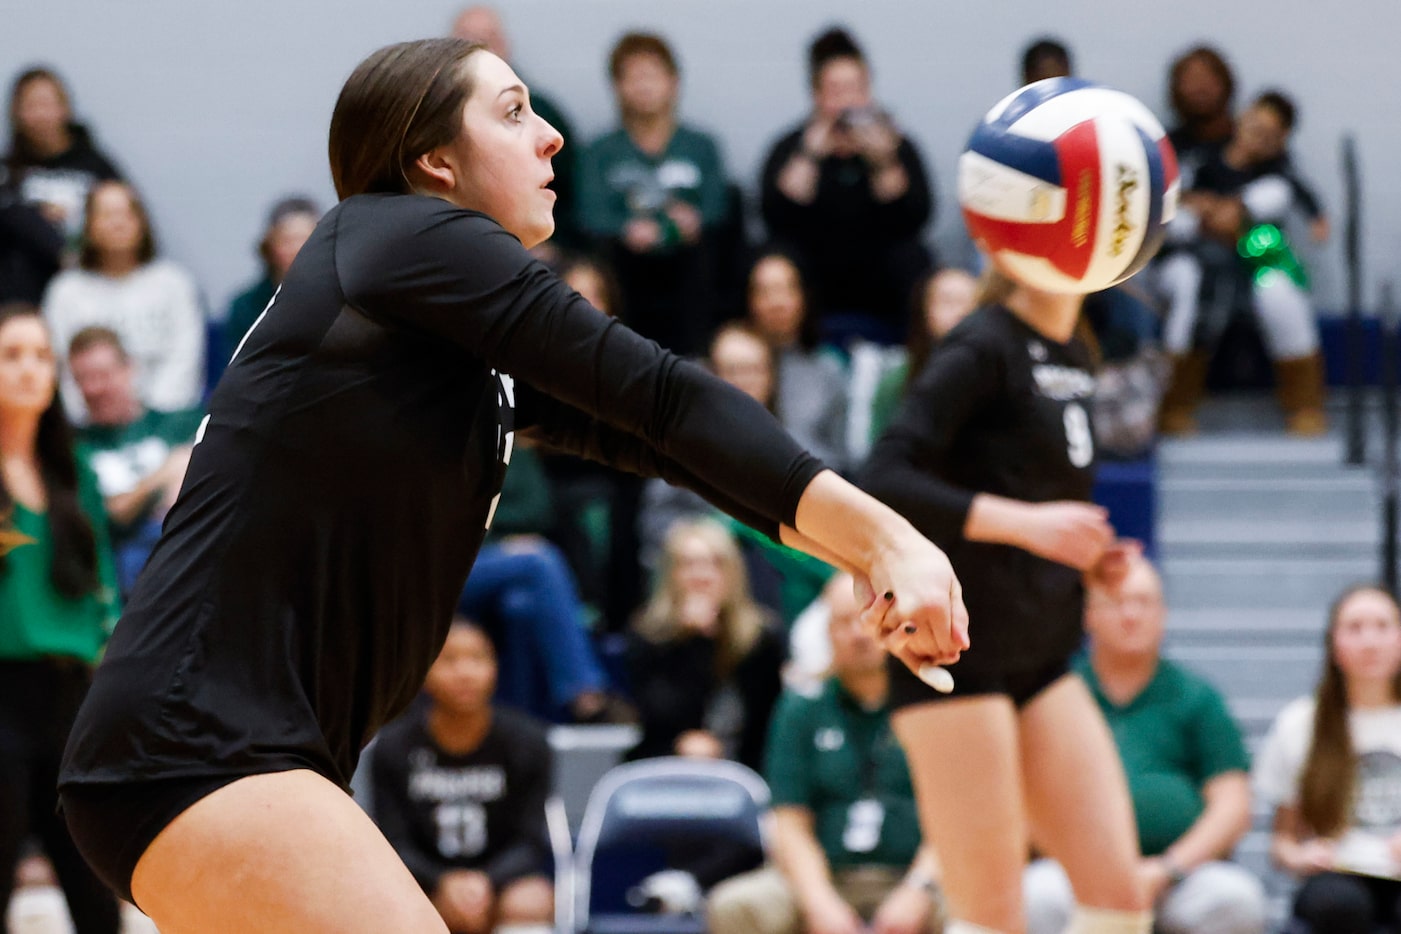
(1178, 414)
(1299, 385)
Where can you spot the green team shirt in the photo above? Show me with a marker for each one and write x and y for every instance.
(826, 754)
(1173, 738)
(618, 181)
(37, 621)
(122, 456)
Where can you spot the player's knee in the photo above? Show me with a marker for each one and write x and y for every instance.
(956, 926)
(526, 901)
(1110, 921)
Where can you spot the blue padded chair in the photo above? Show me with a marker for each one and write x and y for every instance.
(705, 817)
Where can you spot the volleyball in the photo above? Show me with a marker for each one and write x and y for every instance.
(1068, 185)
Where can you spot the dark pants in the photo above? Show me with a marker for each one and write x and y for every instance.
(38, 701)
(1339, 903)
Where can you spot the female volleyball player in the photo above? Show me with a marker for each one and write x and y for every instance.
(992, 456)
(341, 486)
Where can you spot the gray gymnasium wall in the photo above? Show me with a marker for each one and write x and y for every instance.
(215, 109)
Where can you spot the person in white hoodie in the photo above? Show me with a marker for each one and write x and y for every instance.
(152, 304)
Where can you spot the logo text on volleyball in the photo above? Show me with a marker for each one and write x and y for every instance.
(1080, 230)
(1128, 181)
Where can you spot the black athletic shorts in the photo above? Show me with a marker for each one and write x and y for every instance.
(1022, 686)
(113, 824)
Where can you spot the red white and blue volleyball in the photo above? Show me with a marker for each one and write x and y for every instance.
(1068, 185)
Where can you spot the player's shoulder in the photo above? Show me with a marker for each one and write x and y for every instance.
(388, 215)
(988, 329)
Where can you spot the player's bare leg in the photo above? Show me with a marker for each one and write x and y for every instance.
(283, 852)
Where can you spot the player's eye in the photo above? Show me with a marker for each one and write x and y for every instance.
(514, 114)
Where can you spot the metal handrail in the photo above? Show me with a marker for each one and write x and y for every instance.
(1356, 337)
(1391, 345)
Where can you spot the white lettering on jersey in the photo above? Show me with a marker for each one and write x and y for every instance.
(1062, 383)
(505, 431)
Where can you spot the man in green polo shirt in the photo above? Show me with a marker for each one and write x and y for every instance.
(1187, 768)
(138, 454)
(846, 846)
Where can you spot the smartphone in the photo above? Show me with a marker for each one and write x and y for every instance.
(855, 118)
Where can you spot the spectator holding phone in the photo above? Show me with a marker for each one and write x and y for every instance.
(848, 191)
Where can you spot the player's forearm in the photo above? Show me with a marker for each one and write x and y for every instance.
(996, 520)
(797, 540)
(855, 530)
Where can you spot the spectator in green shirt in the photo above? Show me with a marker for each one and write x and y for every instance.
(290, 223)
(846, 849)
(138, 454)
(57, 607)
(652, 192)
(1187, 768)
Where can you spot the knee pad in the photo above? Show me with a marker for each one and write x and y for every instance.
(955, 926)
(1110, 921)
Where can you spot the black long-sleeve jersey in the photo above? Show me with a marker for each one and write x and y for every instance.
(346, 473)
(483, 810)
(998, 409)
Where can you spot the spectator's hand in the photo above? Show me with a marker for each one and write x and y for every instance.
(1071, 533)
(642, 235)
(904, 911)
(464, 899)
(172, 474)
(1223, 219)
(1154, 877)
(824, 912)
(1113, 566)
(1313, 856)
(699, 613)
(914, 586)
(55, 214)
(699, 744)
(523, 543)
(878, 142)
(687, 218)
(818, 137)
(1320, 230)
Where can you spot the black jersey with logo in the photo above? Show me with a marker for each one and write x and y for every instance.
(483, 810)
(346, 473)
(997, 409)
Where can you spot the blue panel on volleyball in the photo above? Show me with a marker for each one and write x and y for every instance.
(1034, 157)
(1034, 95)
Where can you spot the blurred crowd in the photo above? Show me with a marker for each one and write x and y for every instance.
(599, 598)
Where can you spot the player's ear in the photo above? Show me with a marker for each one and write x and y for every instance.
(437, 169)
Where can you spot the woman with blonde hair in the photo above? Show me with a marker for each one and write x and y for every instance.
(705, 659)
(1331, 768)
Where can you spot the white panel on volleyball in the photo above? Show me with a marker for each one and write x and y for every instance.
(1053, 116)
(1124, 190)
(1002, 193)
